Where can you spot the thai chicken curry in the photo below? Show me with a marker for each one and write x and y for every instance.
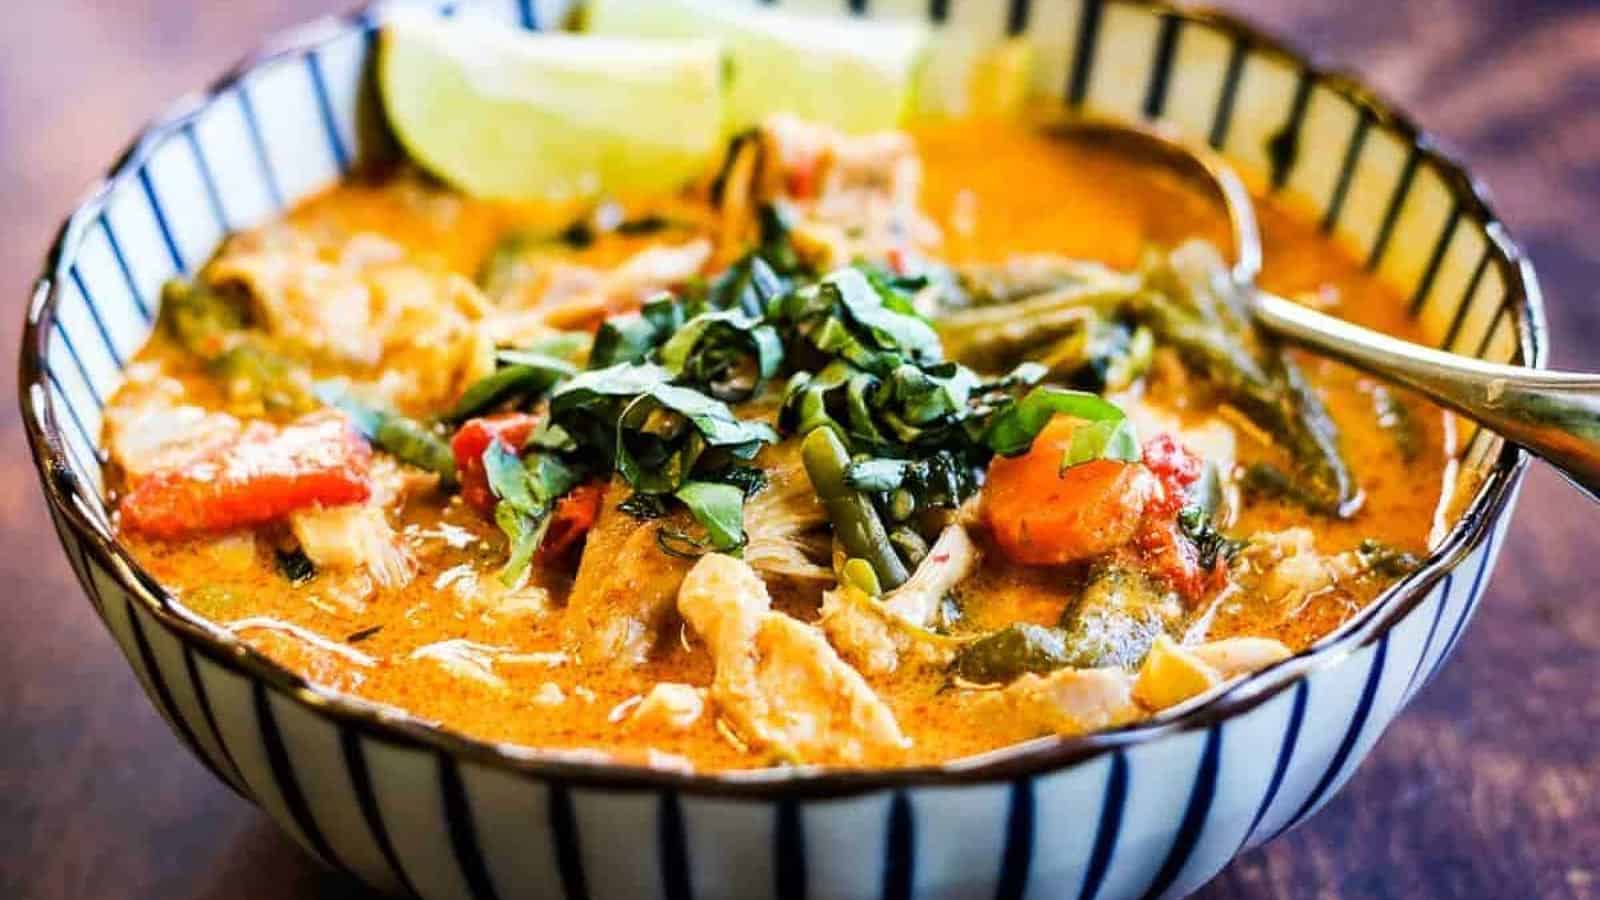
(867, 450)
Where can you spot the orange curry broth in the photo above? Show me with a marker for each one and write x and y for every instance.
(995, 190)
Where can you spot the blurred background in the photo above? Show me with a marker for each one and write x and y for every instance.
(1489, 786)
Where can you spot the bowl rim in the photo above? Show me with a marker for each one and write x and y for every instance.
(1041, 756)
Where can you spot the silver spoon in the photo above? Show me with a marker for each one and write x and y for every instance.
(1554, 415)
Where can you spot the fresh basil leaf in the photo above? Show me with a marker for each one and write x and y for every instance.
(719, 508)
(522, 373)
(892, 329)
(525, 533)
(727, 352)
(508, 479)
(1105, 439)
(1011, 431)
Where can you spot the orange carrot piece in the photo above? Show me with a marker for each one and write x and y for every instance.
(1041, 514)
(266, 473)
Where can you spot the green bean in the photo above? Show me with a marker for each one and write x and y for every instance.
(412, 442)
(855, 521)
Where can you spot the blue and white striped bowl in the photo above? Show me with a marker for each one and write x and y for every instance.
(1149, 811)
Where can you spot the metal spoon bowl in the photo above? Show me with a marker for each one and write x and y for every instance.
(1554, 415)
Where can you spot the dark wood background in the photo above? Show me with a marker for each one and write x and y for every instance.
(1489, 786)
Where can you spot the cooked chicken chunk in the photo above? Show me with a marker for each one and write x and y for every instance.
(150, 428)
(626, 585)
(875, 638)
(356, 302)
(1067, 701)
(778, 682)
(669, 706)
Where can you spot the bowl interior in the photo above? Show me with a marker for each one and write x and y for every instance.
(302, 114)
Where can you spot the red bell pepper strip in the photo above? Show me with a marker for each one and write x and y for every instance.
(266, 473)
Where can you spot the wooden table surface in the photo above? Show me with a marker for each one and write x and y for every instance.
(1488, 786)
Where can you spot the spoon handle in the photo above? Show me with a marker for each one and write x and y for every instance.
(1555, 415)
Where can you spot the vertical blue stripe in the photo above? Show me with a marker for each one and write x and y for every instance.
(1017, 17)
(83, 371)
(163, 694)
(202, 698)
(1352, 734)
(82, 431)
(1083, 58)
(1467, 604)
(899, 860)
(1017, 861)
(856, 7)
(213, 197)
(161, 220)
(463, 832)
(1436, 260)
(1460, 318)
(1110, 828)
(673, 847)
(1155, 92)
(789, 852)
(1291, 735)
(330, 124)
(1397, 202)
(288, 785)
(526, 15)
(72, 411)
(93, 310)
(1222, 121)
(1433, 630)
(938, 11)
(259, 143)
(122, 263)
(1347, 170)
(1195, 814)
(1284, 148)
(569, 857)
(355, 763)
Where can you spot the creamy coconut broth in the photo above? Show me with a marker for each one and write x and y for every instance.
(294, 458)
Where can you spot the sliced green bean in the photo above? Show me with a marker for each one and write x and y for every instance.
(855, 520)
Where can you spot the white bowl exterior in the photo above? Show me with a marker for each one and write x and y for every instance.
(1157, 818)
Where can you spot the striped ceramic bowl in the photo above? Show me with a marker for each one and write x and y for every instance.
(1148, 811)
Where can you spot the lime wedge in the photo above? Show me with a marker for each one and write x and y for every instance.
(505, 114)
(855, 74)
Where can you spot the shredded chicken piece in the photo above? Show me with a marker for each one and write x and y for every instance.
(358, 302)
(150, 428)
(359, 537)
(623, 596)
(781, 516)
(778, 682)
(875, 638)
(1068, 701)
(550, 293)
(669, 706)
(856, 195)
(1232, 657)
